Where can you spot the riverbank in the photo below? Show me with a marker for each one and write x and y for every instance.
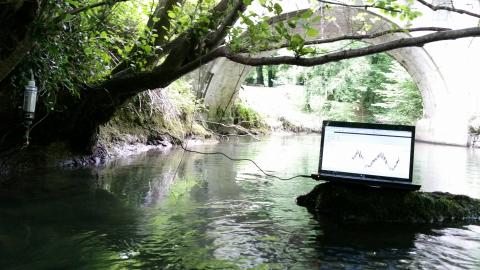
(154, 120)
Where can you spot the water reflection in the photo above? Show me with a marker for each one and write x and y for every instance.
(448, 169)
(216, 214)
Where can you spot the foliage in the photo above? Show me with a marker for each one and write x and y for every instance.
(292, 75)
(251, 77)
(340, 111)
(90, 57)
(403, 104)
(74, 50)
(368, 89)
(79, 50)
(254, 33)
(269, 75)
(246, 117)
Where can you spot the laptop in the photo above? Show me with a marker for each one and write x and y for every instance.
(371, 154)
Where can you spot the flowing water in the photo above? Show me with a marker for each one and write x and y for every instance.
(218, 214)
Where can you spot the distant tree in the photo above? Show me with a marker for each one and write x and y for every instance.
(260, 79)
(271, 75)
(369, 89)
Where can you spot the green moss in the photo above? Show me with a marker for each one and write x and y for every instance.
(356, 203)
(247, 117)
(153, 113)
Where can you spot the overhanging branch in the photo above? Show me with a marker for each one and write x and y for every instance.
(359, 6)
(352, 53)
(229, 20)
(375, 35)
(161, 76)
(452, 9)
(103, 3)
(15, 57)
(363, 37)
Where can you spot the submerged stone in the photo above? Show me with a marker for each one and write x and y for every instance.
(361, 204)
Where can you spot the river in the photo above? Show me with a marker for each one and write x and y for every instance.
(218, 214)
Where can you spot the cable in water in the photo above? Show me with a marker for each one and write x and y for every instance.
(246, 159)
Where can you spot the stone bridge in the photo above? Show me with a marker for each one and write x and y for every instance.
(445, 72)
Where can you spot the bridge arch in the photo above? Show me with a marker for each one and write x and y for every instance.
(227, 77)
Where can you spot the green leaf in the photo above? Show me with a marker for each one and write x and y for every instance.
(307, 14)
(278, 8)
(73, 3)
(316, 19)
(312, 32)
(292, 23)
(104, 35)
(308, 50)
(296, 41)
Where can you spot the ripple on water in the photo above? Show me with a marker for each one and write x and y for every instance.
(450, 248)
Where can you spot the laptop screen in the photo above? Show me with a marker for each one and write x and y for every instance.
(367, 151)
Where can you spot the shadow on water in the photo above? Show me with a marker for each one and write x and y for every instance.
(45, 215)
(132, 213)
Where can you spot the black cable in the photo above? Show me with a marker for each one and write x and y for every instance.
(246, 159)
(39, 121)
(223, 154)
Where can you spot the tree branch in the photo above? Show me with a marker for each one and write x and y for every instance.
(103, 3)
(228, 21)
(374, 35)
(15, 57)
(161, 12)
(161, 26)
(236, 127)
(456, 10)
(286, 16)
(362, 37)
(161, 76)
(359, 6)
(176, 47)
(347, 54)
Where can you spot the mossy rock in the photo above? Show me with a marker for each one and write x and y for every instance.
(361, 204)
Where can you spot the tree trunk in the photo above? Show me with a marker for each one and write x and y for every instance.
(270, 76)
(260, 79)
(16, 38)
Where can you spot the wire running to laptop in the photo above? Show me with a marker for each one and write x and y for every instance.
(313, 176)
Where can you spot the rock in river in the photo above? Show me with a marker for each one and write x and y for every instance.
(361, 204)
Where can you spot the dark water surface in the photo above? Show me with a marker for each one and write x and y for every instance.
(221, 215)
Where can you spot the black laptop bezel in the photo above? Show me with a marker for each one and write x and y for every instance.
(367, 178)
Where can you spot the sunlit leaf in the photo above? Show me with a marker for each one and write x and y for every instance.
(312, 32)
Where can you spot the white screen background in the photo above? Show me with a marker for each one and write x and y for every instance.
(367, 151)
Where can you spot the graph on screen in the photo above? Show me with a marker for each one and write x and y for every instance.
(366, 151)
(380, 157)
